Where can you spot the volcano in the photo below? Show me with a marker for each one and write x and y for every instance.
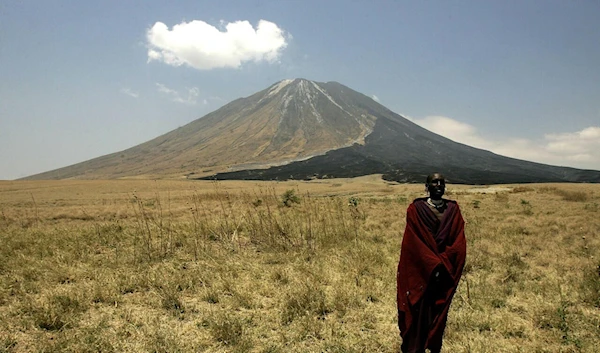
(301, 129)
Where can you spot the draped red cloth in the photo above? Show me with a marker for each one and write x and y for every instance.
(431, 263)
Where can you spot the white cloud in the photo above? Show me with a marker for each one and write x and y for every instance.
(453, 129)
(204, 47)
(190, 97)
(129, 92)
(581, 146)
(164, 89)
(579, 149)
(375, 98)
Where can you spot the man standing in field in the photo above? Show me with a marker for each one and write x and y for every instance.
(431, 263)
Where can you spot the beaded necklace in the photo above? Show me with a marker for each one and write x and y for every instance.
(437, 205)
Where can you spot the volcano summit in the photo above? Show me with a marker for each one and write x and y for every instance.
(301, 129)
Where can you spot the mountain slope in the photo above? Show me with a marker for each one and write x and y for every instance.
(303, 129)
(291, 120)
(405, 152)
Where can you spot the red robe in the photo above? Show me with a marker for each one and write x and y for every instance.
(431, 263)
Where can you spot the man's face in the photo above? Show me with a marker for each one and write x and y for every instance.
(436, 187)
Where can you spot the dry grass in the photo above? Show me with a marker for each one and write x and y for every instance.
(179, 266)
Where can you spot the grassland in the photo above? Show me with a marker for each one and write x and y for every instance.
(183, 266)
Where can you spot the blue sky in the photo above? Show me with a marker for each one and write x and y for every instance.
(81, 79)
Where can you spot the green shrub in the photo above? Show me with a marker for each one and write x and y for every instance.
(527, 208)
(289, 197)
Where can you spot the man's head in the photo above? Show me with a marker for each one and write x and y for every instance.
(436, 185)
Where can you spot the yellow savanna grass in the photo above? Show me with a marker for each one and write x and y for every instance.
(168, 266)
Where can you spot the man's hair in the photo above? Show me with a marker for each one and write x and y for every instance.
(431, 176)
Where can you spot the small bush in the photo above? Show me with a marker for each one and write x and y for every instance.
(289, 197)
(527, 208)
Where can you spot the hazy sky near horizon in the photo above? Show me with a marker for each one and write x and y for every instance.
(81, 79)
